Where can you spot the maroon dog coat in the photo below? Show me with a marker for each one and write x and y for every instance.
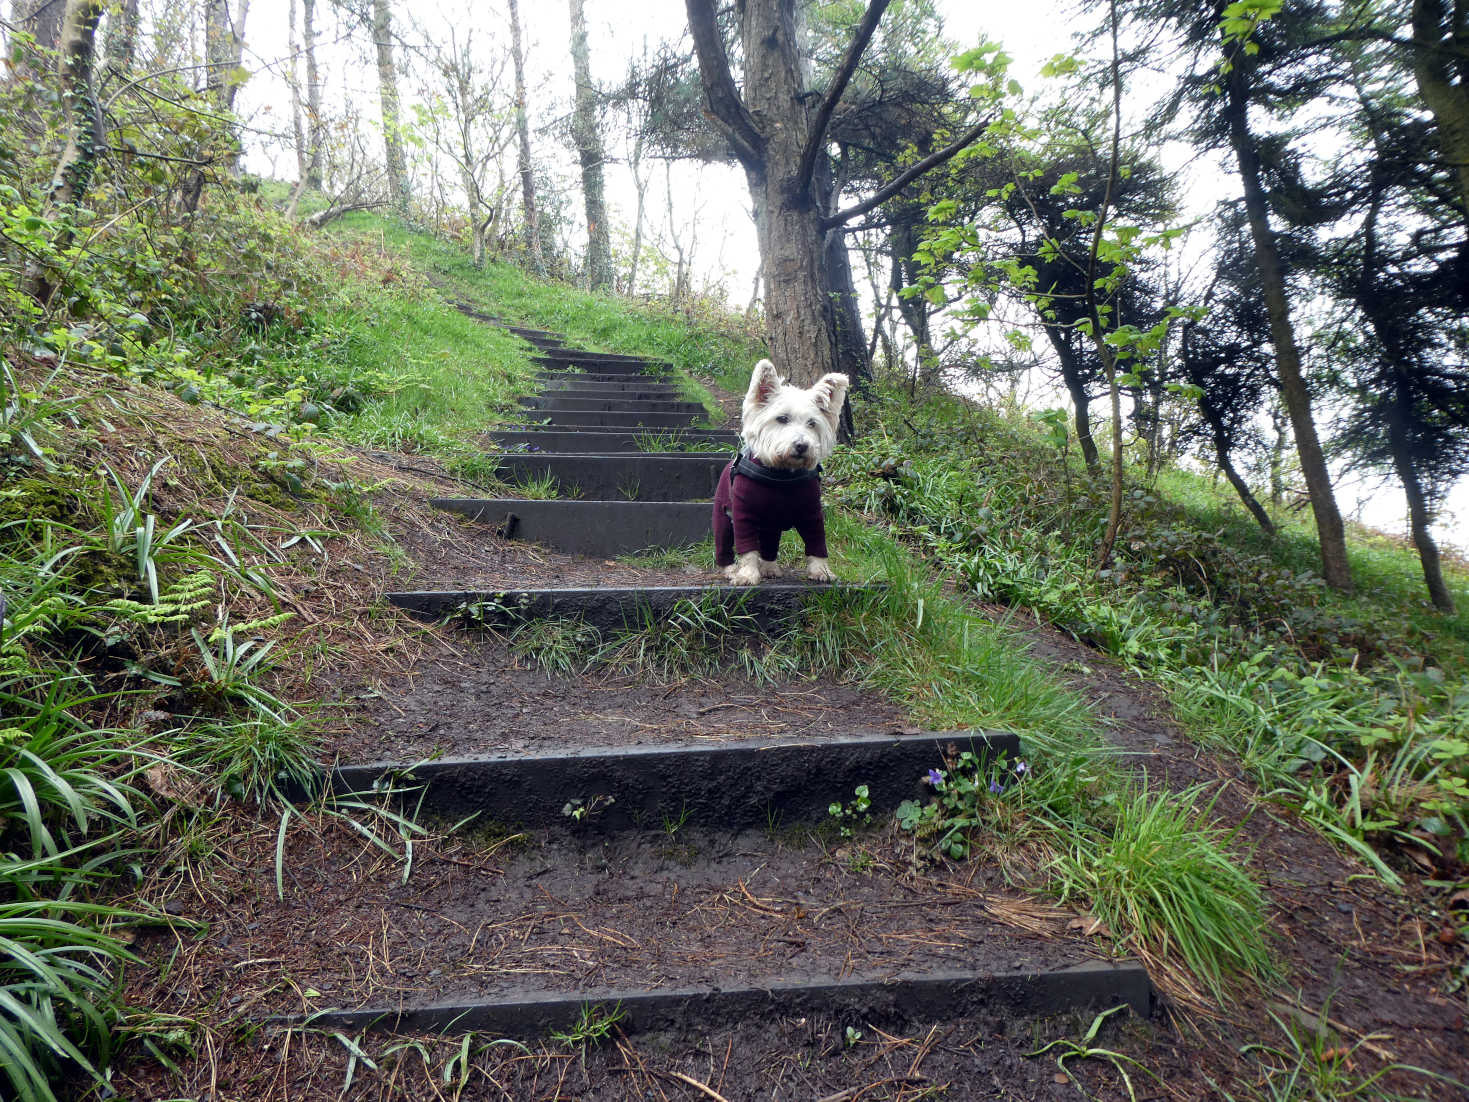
(754, 504)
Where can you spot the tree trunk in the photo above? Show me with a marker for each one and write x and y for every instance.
(588, 141)
(84, 130)
(315, 122)
(1329, 528)
(913, 308)
(298, 129)
(224, 47)
(1278, 423)
(387, 86)
(527, 170)
(41, 18)
(1442, 72)
(1420, 519)
(799, 316)
(1071, 375)
(121, 46)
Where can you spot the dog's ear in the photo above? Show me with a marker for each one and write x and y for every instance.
(830, 392)
(763, 385)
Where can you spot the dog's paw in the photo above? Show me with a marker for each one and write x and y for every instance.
(770, 569)
(818, 570)
(746, 570)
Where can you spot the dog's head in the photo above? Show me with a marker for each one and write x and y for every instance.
(789, 428)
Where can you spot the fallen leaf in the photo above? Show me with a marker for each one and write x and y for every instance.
(1061, 1077)
(1089, 925)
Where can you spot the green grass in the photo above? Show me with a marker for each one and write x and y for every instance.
(1163, 873)
(440, 377)
(710, 348)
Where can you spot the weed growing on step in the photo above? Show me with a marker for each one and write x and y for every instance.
(594, 1025)
(544, 488)
(1086, 1049)
(855, 813)
(675, 441)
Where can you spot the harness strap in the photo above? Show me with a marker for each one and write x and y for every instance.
(744, 465)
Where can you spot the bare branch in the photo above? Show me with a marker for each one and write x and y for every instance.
(839, 83)
(898, 183)
(719, 86)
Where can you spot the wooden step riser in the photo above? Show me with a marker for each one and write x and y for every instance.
(883, 1002)
(634, 477)
(732, 786)
(613, 608)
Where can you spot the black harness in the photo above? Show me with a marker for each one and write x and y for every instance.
(748, 468)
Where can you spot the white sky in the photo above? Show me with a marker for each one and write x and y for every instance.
(710, 204)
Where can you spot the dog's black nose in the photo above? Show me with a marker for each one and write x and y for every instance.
(802, 447)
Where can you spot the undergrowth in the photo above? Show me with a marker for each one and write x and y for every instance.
(1354, 712)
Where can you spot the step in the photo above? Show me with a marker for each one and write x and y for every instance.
(605, 528)
(601, 378)
(729, 786)
(588, 403)
(612, 608)
(595, 372)
(635, 389)
(687, 930)
(566, 363)
(609, 420)
(602, 441)
(661, 476)
(606, 360)
(881, 1001)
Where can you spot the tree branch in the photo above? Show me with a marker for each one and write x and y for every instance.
(719, 86)
(839, 83)
(898, 183)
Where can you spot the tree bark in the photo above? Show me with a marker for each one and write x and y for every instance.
(84, 130)
(1329, 527)
(315, 122)
(1074, 379)
(588, 141)
(1443, 81)
(121, 46)
(387, 86)
(224, 47)
(41, 18)
(527, 168)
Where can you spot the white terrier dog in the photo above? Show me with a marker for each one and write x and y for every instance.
(774, 483)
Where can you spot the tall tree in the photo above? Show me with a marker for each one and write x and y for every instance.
(1441, 66)
(586, 135)
(42, 19)
(315, 120)
(224, 47)
(121, 44)
(387, 86)
(778, 131)
(83, 126)
(526, 164)
(1330, 529)
(1266, 67)
(1405, 272)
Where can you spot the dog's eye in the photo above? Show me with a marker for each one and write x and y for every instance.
(782, 420)
(811, 424)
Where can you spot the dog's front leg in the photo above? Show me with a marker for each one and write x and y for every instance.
(818, 569)
(746, 570)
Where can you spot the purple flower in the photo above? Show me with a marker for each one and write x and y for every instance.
(1021, 769)
(936, 778)
(996, 787)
